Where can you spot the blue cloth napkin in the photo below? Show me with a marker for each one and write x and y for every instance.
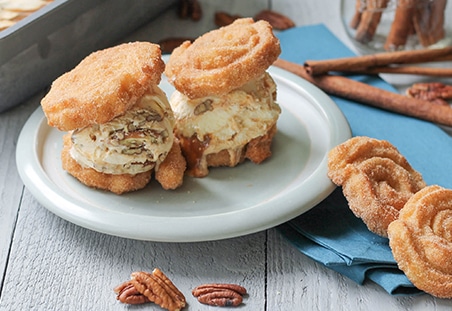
(330, 233)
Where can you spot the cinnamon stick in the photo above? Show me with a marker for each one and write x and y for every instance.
(429, 22)
(356, 19)
(315, 67)
(401, 27)
(370, 95)
(369, 20)
(412, 70)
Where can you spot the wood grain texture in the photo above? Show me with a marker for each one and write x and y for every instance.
(59, 266)
(51, 264)
(11, 186)
(315, 287)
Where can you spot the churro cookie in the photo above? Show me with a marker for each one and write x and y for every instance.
(421, 240)
(223, 59)
(376, 180)
(103, 85)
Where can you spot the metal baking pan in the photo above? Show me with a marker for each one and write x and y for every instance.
(51, 41)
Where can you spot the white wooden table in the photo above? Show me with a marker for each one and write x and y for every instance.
(47, 263)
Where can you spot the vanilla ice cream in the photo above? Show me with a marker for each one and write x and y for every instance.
(219, 124)
(231, 120)
(132, 143)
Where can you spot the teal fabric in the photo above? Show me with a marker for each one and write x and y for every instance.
(330, 233)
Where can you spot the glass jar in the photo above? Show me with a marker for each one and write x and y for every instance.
(391, 25)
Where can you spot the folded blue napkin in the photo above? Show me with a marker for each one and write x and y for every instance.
(330, 233)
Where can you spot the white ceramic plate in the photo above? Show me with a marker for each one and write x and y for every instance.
(229, 202)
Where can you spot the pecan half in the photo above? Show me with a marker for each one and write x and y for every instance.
(224, 19)
(277, 20)
(169, 44)
(190, 9)
(221, 295)
(151, 287)
(436, 92)
(127, 293)
(159, 289)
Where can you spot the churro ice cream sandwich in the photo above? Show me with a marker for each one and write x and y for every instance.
(225, 100)
(119, 122)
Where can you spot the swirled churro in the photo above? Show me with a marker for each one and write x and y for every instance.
(103, 85)
(225, 101)
(375, 178)
(421, 240)
(223, 59)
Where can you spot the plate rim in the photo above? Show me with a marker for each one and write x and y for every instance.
(38, 183)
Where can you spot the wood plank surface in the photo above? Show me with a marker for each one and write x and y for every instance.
(11, 186)
(60, 266)
(48, 263)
